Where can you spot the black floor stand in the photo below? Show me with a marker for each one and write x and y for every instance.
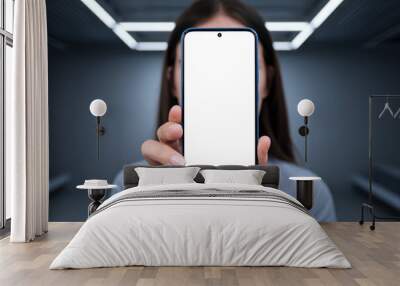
(370, 206)
(371, 209)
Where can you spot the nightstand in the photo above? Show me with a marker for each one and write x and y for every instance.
(97, 190)
(304, 190)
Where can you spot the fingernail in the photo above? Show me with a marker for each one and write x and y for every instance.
(177, 160)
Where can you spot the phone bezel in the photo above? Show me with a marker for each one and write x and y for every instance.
(182, 48)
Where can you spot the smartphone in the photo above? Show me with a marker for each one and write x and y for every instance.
(219, 88)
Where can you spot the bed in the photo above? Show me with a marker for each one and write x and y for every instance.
(198, 224)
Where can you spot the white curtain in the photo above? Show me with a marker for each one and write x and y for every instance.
(27, 153)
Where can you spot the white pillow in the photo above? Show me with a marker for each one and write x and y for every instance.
(165, 176)
(248, 177)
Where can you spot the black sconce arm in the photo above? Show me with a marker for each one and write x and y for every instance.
(100, 131)
(304, 131)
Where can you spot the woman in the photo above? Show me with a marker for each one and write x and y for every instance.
(274, 145)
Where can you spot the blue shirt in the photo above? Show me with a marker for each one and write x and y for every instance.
(323, 207)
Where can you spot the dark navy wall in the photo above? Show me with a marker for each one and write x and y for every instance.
(128, 82)
(340, 82)
(337, 80)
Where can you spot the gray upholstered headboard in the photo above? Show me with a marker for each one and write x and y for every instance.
(270, 179)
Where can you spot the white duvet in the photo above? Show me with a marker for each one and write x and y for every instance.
(200, 231)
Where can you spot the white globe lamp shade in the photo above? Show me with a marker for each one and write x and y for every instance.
(305, 107)
(98, 107)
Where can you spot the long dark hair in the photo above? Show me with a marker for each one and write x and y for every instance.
(273, 120)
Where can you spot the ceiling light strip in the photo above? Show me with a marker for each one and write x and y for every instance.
(317, 21)
(302, 37)
(169, 26)
(151, 46)
(305, 29)
(99, 11)
(162, 46)
(148, 26)
(286, 26)
(283, 46)
(125, 36)
(110, 22)
(325, 12)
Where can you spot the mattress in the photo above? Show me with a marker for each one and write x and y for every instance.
(201, 225)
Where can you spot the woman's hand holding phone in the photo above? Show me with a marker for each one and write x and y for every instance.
(167, 150)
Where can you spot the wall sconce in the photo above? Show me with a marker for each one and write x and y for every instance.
(98, 108)
(305, 108)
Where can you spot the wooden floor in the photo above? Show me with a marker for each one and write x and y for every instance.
(375, 257)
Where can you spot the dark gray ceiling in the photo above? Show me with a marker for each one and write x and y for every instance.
(163, 10)
(355, 22)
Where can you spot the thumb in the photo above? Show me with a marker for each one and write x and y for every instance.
(264, 143)
(175, 114)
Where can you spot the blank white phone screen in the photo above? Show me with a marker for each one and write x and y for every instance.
(219, 97)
